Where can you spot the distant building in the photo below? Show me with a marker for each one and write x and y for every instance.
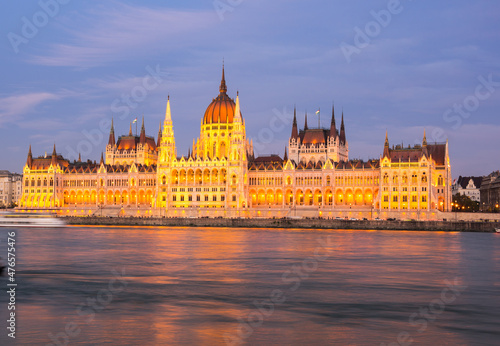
(490, 192)
(10, 188)
(468, 186)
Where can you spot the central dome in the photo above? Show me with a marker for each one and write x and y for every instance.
(221, 110)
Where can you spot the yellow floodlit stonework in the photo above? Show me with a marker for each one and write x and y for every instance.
(221, 177)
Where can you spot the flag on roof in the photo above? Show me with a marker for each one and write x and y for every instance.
(135, 120)
(317, 112)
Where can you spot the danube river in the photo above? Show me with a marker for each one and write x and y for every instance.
(216, 286)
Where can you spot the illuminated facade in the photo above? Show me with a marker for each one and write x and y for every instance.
(221, 177)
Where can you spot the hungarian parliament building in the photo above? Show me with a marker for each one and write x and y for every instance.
(221, 177)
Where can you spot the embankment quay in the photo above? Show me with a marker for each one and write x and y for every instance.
(311, 223)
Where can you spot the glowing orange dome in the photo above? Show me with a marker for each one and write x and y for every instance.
(221, 110)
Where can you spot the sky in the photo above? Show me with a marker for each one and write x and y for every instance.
(68, 67)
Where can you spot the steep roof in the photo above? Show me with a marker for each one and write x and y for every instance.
(131, 142)
(464, 181)
(314, 136)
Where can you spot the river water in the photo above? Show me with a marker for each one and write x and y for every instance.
(218, 286)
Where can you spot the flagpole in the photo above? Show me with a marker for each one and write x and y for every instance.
(136, 128)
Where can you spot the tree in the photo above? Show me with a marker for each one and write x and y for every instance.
(463, 203)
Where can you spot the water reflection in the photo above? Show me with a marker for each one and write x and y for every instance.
(199, 286)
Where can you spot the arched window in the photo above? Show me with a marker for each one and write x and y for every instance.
(222, 150)
(386, 178)
(414, 178)
(440, 180)
(395, 179)
(328, 180)
(424, 178)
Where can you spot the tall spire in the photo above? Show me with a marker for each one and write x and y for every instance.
(79, 157)
(424, 145)
(111, 140)
(54, 155)
(130, 130)
(333, 127)
(285, 157)
(102, 159)
(342, 130)
(305, 123)
(386, 145)
(223, 87)
(295, 132)
(168, 114)
(159, 136)
(237, 111)
(29, 160)
(143, 132)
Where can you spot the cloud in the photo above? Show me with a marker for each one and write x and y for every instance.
(13, 107)
(124, 31)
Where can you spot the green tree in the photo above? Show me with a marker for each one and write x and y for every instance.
(463, 203)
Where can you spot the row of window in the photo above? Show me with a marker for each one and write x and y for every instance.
(206, 198)
(414, 179)
(404, 198)
(39, 182)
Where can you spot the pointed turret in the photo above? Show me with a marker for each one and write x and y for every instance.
(295, 132)
(342, 130)
(285, 157)
(130, 130)
(167, 137)
(79, 157)
(29, 160)
(333, 128)
(305, 123)
(111, 140)
(168, 114)
(424, 144)
(102, 159)
(237, 111)
(159, 136)
(54, 156)
(223, 87)
(142, 139)
(386, 145)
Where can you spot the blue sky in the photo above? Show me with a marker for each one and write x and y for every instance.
(67, 67)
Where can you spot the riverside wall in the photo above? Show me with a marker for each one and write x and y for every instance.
(311, 223)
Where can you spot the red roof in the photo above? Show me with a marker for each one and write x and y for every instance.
(131, 142)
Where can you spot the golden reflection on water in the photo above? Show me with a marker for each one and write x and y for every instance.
(196, 286)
